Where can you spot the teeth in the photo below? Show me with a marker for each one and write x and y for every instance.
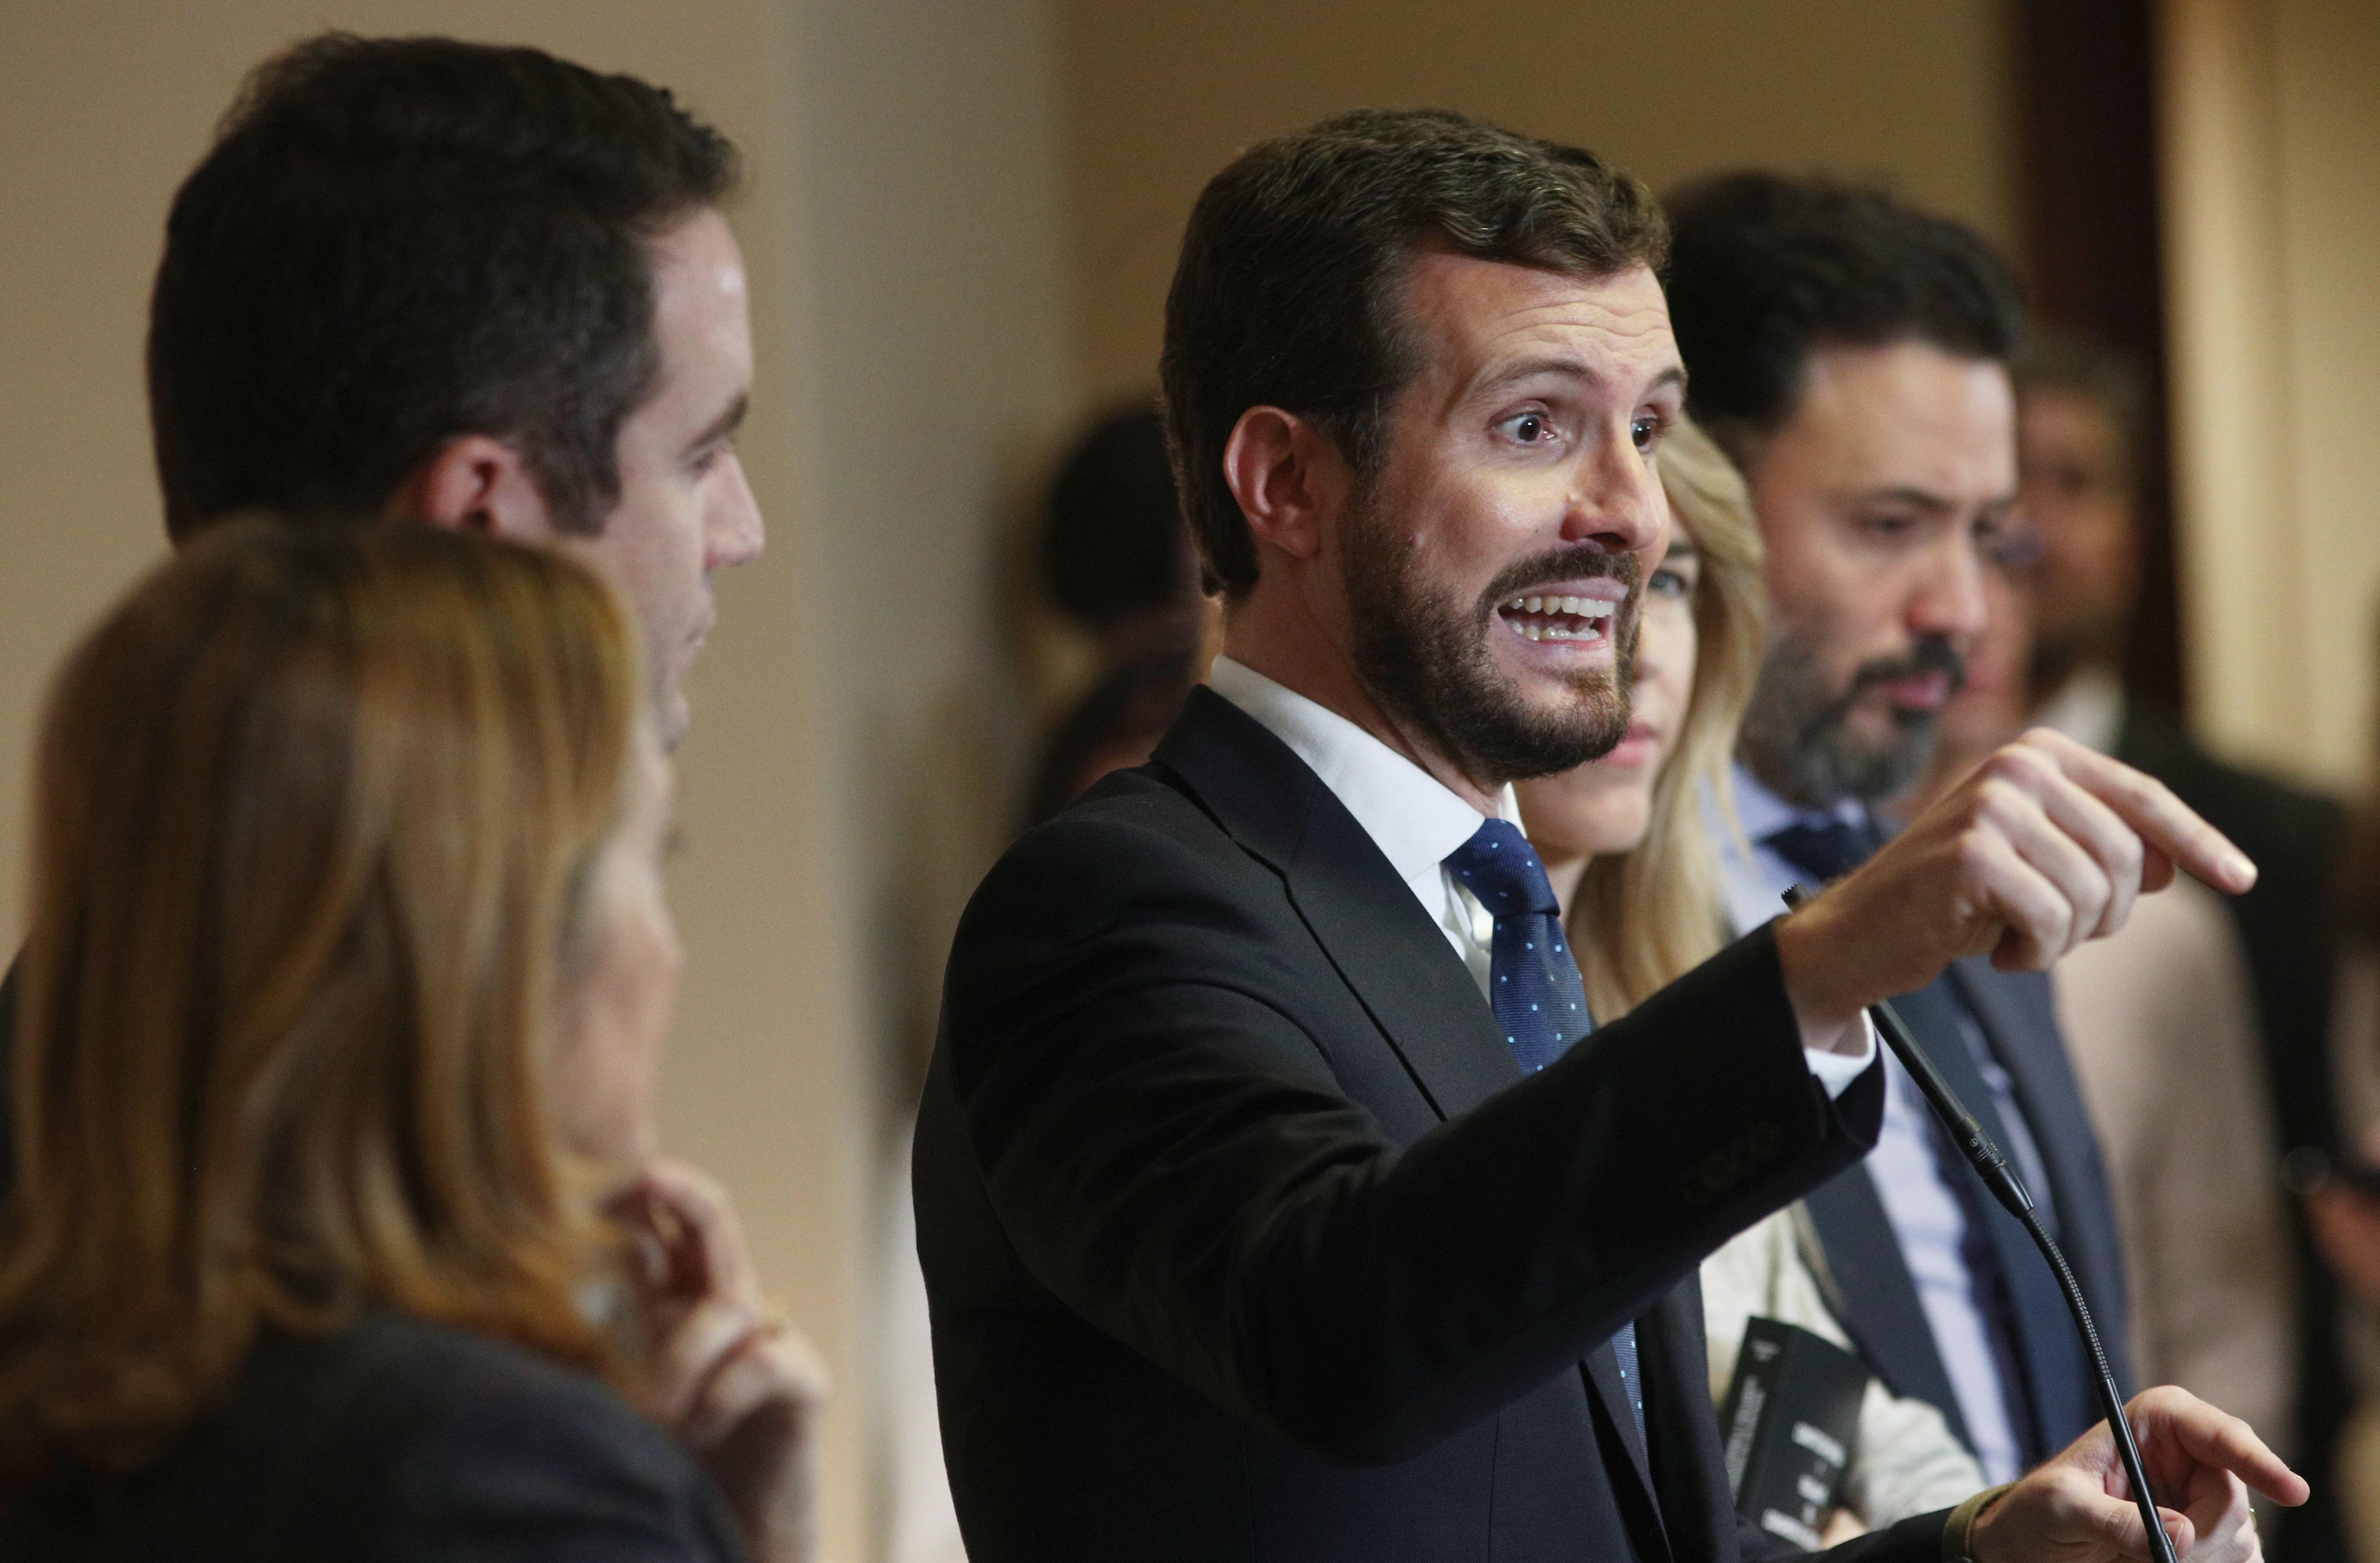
(1533, 605)
(1535, 632)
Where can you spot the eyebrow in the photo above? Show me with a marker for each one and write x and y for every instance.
(1921, 499)
(1568, 369)
(1925, 499)
(726, 423)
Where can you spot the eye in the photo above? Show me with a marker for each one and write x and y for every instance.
(1647, 432)
(1532, 428)
(1669, 582)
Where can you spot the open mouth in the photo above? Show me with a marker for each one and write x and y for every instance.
(1582, 619)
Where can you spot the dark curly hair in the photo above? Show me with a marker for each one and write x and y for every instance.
(1293, 264)
(394, 241)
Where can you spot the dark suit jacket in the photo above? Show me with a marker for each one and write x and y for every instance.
(1245, 1241)
(1879, 1299)
(394, 1441)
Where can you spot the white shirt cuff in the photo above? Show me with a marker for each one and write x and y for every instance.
(1837, 1071)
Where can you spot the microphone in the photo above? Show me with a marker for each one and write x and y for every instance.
(2009, 1189)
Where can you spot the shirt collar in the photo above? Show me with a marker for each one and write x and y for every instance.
(1413, 817)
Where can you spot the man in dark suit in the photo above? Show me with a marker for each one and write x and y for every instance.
(2082, 414)
(1850, 353)
(1266, 1207)
(471, 286)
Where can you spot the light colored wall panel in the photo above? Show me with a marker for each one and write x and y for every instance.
(1165, 95)
(2268, 121)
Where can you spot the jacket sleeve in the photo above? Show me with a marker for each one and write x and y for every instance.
(1167, 1151)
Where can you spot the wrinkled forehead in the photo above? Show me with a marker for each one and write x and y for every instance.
(1469, 324)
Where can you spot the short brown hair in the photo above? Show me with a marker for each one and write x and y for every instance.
(311, 813)
(396, 241)
(1293, 263)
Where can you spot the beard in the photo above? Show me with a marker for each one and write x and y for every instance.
(1796, 736)
(1424, 657)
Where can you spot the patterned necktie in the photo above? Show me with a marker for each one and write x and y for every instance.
(1533, 979)
(1538, 997)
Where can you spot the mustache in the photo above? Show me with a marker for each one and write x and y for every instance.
(1933, 653)
(1576, 562)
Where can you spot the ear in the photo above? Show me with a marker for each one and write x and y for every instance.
(477, 481)
(1288, 477)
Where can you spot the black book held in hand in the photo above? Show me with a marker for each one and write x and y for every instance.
(1790, 1422)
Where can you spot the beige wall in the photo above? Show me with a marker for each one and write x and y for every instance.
(903, 225)
(2270, 122)
(1161, 96)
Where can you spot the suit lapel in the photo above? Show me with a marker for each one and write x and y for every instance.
(1398, 964)
(1880, 1308)
(2027, 1047)
(1602, 1368)
(1697, 1508)
(1394, 960)
(1392, 957)
(2025, 1044)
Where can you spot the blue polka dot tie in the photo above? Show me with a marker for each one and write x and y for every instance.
(1533, 979)
(1533, 984)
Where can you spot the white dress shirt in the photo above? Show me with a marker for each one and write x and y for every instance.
(1416, 821)
(1927, 1218)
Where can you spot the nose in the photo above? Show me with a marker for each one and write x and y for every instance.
(1618, 503)
(733, 533)
(1949, 597)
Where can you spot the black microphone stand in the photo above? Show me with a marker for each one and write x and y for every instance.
(2009, 1189)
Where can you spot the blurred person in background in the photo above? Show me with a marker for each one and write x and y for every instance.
(1626, 845)
(1116, 559)
(477, 287)
(341, 1232)
(2161, 1026)
(1851, 352)
(2083, 416)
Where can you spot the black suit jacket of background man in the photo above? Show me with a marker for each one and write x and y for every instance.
(1244, 1240)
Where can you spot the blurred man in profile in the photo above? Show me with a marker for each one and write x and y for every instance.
(469, 286)
(1851, 353)
(2082, 411)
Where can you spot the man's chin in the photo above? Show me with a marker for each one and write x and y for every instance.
(1522, 745)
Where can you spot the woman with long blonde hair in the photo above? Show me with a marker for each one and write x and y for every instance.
(1627, 843)
(338, 1231)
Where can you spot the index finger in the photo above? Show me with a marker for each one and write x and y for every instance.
(2164, 822)
(707, 1224)
(2212, 1437)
